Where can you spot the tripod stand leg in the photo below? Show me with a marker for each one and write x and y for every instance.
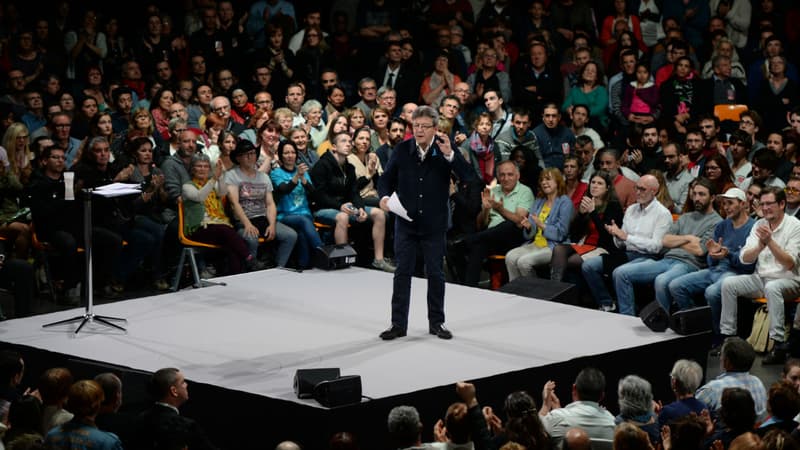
(118, 319)
(65, 321)
(85, 319)
(103, 320)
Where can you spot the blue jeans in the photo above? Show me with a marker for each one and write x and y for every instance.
(307, 237)
(593, 270)
(157, 230)
(643, 270)
(687, 286)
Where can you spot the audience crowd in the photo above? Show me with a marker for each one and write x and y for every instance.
(615, 144)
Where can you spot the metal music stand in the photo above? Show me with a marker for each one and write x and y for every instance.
(89, 315)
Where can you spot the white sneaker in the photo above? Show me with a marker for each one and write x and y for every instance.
(608, 308)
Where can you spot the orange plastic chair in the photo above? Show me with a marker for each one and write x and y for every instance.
(729, 112)
(189, 247)
(498, 275)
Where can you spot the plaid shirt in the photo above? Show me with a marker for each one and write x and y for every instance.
(711, 392)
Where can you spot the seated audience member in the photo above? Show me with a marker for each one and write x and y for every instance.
(519, 134)
(293, 187)
(723, 261)
(584, 411)
(85, 398)
(250, 194)
(791, 372)
(641, 236)
(523, 424)
(479, 148)
(783, 405)
(162, 425)
(609, 160)
(688, 432)
(773, 245)
(305, 153)
(57, 220)
(338, 202)
(112, 219)
(368, 167)
(679, 94)
(764, 163)
(54, 386)
(405, 427)
(737, 416)
(339, 124)
(718, 172)
(684, 379)
(640, 102)
(736, 358)
(312, 113)
(589, 91)
(267, 141)
(204, 216)
(579, 125)
(555, 140)
(504, 207)
(686, 252)
(24, 422)
(464, 425)
(546, 226)
(663, 192)
(574, 188)
(528, 165)
(738, 150)
(677, 174)
(109, 418)
(397, 129)
(597, 209)
(635, 397)
(627, 436)
(753, 193)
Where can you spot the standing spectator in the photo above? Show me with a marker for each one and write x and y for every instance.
(777, 95)
(692, 15)
(737, 15)
(86, 46)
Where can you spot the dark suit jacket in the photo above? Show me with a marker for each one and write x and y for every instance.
(407, 83)
(423, 187)
(705, 95)
(161, 427)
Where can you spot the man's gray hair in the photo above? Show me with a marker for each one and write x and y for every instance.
(687, 375)
(97, 140)
(200, 157)
(404, 425)
(309, 106)
(173, 123)
(384, 89)
(635, 396)
(363, 81)
(425, 111)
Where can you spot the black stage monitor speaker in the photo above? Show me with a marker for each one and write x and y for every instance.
(555, 291)
(654, 316)
(334, 256)
(341, 391)
(691, 321)
(306, 379)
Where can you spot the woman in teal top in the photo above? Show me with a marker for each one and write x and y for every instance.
(292, 188)
(591, 92)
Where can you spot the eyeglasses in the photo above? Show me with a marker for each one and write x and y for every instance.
(791, 190)
(641, 188)
(768, 204)
(422, 126)
(222, 108)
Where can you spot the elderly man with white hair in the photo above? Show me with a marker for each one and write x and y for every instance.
(684, 379)
(315, 125)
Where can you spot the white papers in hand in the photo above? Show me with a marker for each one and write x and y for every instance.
(396, 207)
(118, 189)
(69, 185)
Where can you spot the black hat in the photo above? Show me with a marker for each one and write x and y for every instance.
(242, 147)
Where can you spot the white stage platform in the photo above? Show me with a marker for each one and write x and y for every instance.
(252, 334)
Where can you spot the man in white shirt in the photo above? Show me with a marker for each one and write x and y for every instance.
(641, 236)
(584, 411)
(774, 245)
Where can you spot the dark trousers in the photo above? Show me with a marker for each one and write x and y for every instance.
(496, 240)
(432, 245)
(231, 242)
(17, 275)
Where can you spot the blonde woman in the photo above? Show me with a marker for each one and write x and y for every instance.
(16, 142)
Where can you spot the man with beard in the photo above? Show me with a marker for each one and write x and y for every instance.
(686, 244)
(677, 177)
(695, 142)
(773, 245)
(397, 130)
(775, 143)
(709, 126)
(580, 118)
(519, 134)
(647, 155)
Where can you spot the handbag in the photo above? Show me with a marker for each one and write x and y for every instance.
(588, 251)
(759, 336)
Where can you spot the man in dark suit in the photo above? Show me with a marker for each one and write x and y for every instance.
(419, 172)
(720, 89)
(162, 426)
(401, 77)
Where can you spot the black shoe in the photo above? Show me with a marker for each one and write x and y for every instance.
(776, 356)
(393, 332)
(440, 331)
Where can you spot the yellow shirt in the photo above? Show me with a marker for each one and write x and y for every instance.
(539, 240)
